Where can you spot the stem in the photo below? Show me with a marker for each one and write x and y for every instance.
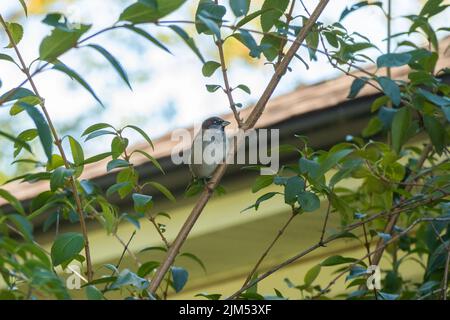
(263, 256)
(393, 219)
(163, 238)
(325, 222)
(389, 18)
(284, 41)
(369, 258)
(220, 171)
(127, 249)
(61, 150)
(228, 89)
(445, 279)
(398, 236)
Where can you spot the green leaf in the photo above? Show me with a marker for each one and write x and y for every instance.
(194, 258)
(244, 88)
(387, 296)
(6, 58)
(24, 6)
(77, 151)
(128, 278)
(42, 127)
(273, 10)
(356, 87)
(23, 225)
(166, 192)
(261, 199)
(117, 163)
(150, 3)
(358, 5)
(336, 260)
(59, 176)
(118, 146)
(212, 87)
(16, 31)
(116, 64)
(294, 186)
(391, 89)
(17, 142)
(311, 167)
(209, 68)
(66, 247)
(92, 293)
(97, 157)
(250, 17)
(179, 277)
(312, 41)
(147, 268)
(143, 13)
(15, 94)
(373, 127)
(378, 103)
(393, 60)
(311, 275)
(208, 17)
(214, 296)
(332, 159)
(271, 45)
(188, 40)
(152, 160)
(436, 132)
(59, 42)
(95, 127)
(247, 40)
(74, 75)
(262, 182)
(149, 37)
(240, 7)
(142, 202)
(116, 187)
(13, 201)
(142, 133)
(308, 201)
(437, 100)
(400, 125)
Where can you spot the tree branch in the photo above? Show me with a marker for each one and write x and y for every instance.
(220, 171)
(404, 206)
(61, 150)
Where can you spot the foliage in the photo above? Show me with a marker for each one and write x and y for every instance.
(394, 177)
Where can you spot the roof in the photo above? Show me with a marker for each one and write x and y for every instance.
(301, 101)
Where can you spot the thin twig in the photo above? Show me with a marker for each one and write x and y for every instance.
(61, 150)
(228, 90)
(385, 244)
(401, 207)
(369, 258)
(163, 238)
(127, 249)
(322, 235)
(266, 252)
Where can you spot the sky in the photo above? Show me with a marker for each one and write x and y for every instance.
(168, 90)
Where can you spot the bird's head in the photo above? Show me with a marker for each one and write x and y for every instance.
(214, 123)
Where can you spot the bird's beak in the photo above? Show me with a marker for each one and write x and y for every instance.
(225, 123)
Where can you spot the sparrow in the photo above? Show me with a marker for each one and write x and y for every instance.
(208, 148)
